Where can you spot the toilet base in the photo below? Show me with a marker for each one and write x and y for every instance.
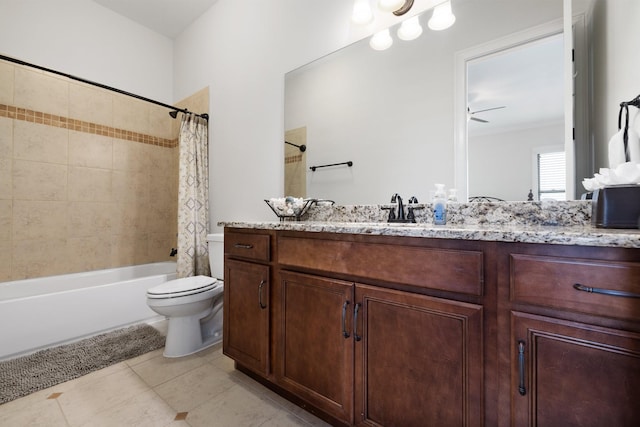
(205, 345)
(184, 337)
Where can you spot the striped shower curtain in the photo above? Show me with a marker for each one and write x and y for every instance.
(193, 197)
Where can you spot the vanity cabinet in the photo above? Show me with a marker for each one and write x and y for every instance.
(374, 330)
(573, 374)
(314, 354)
(247, 301)
(574, 342)
(418, 360)
(373, 355)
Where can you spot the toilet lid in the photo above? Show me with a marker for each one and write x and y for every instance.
(182, 287)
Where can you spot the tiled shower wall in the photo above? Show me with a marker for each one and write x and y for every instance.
(88, 177)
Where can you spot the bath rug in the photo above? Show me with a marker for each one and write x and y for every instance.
(27, 374)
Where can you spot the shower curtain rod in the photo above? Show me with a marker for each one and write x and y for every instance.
(173, 113)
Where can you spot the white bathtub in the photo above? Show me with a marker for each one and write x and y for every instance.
(41, 312)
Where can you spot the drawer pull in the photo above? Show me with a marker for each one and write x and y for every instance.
(521, 388)
(262, 283)
(355, 323)
(344, 319)
(243, 246)
(610, 292)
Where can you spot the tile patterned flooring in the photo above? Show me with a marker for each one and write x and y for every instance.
(150, 390)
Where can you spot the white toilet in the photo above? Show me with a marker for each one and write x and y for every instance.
(193, 306)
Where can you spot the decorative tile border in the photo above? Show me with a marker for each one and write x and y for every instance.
(82, 126)
(293, 159)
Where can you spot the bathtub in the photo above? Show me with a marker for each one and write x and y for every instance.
(42, 312)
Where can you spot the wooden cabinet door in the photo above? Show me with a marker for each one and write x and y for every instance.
(315, 349)
(246, 314)
(572, 374)
(418, 360)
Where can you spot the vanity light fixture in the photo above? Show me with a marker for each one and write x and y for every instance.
(381, 40)
(390, 5)
(442, 17)
(362, 13)
(410, 29)
(408, 4)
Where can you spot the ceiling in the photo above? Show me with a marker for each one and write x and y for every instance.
(166, 17)
(527, 80)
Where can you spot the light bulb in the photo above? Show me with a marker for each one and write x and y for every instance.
(410, 29)
(442, 17)
(362, 13)
(381, 40)
(390, 5)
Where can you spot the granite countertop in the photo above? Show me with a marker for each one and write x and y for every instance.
(552, 222)
(581, 235)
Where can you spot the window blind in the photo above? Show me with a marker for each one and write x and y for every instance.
(551, 176)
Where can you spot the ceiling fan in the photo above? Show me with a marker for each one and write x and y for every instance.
(471, 113)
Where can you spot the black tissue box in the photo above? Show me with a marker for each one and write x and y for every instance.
(616, 207)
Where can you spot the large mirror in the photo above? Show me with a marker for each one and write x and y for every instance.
(403, 116)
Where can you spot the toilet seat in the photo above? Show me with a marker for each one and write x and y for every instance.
(183, 287)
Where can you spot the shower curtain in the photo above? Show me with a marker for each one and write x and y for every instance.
(193, 197)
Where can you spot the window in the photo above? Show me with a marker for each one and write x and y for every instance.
(552, 176)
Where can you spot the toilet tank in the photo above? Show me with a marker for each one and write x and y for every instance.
(216, 255)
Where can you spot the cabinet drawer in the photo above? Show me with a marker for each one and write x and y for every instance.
(249, 246)
(608, 288)
(450, 270)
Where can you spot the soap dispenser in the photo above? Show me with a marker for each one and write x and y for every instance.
(440, 205)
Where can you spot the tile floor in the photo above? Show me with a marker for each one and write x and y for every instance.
(150, 390)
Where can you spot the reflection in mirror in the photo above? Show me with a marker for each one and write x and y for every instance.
(295, 162)
(515, 121)
(394, 113)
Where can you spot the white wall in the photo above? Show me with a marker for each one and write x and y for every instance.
(616, 68)
(84, 39)
(241, 50)
(501, 165)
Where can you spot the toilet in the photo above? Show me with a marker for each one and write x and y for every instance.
(192, 305)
